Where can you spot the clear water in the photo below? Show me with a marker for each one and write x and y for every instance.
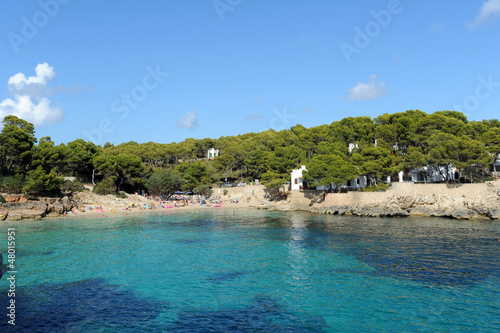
(254, 271)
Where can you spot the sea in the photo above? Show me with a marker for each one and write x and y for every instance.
(219, 270)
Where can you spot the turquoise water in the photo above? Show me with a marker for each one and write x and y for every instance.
(254, 271)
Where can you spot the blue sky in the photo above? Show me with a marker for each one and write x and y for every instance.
(165, 71)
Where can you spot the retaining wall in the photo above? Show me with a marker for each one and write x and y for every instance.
(453, 190)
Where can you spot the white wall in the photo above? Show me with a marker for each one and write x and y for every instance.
(297, 180)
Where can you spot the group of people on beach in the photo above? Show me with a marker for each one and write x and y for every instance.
(163, 203)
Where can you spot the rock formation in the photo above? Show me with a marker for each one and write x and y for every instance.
(421, 205)
(18, 208)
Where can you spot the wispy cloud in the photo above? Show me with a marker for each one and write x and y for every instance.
(437, 28)
(370, 90)
(30, 102)
(489, 11)
(254, 117)
(305, 109)
(188, 121)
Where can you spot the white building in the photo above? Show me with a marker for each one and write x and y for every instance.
(435, 174)
(212, 153)
(297, 180)
(353, 146)
(358, 182)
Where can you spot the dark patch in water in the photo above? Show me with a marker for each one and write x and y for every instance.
(434, 260)
(191, 241)
(447, 256)
(82, 306)
(226, 276)
(264, 315)
(210, 223)
(23, 253)
(435, 253)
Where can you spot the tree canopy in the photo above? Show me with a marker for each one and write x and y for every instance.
(384, 145)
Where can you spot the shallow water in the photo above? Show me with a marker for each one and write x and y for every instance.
(255, 271)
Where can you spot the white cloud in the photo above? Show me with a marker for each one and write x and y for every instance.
(33, 85)
(29, 102)
(188, 121)
(370, 90)
(489, 11)
(38, 114)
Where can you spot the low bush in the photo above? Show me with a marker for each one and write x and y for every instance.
(106, 186)
(380, 187)
(39, 182)
(121, 195)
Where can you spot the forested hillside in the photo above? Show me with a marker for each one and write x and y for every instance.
(382, 147)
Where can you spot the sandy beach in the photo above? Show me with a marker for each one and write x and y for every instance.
(109, 205)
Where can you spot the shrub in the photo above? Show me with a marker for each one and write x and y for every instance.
(2, 199)
(205, 190)
(10, 184)
(72, 186)
(106, 186)
(39, 182)
(380, 187)
(121, 195)
(225, 192)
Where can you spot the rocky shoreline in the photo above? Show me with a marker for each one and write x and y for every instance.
(19, 208)
(477, 205)
(483, 206)
(420, 205)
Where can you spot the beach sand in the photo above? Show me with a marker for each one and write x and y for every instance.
(109, 205)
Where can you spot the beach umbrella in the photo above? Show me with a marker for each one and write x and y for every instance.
(179, 192)
(189, 192)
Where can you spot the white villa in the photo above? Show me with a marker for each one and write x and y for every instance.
(213, 153)
(297, 180)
